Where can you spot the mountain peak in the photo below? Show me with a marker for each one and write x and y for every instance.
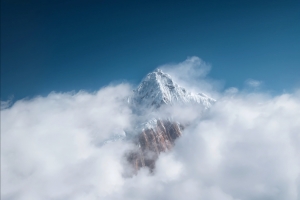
(157, 135)
(158, 88)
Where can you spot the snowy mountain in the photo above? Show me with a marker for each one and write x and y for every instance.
(158, 89)
(156, 135)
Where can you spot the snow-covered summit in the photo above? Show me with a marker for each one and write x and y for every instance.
(158, 89)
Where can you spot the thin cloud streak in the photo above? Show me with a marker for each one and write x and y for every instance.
(253, 83)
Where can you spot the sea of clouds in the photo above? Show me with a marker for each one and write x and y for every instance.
(245, 147)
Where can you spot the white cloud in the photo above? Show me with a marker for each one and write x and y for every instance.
(245, 147)
(5, 104)
(191, 74)
(253, 83)
(50, 146)
(192, 67)
(231, 91)
(248, 147)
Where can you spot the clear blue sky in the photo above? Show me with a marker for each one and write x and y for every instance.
(56, 45)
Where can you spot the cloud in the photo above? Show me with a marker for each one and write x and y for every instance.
(192, 75)
(50, 146)
(246, 147)
(192, 67)
(253, 83)
(4, 104)
(7, 103)
(231, 90)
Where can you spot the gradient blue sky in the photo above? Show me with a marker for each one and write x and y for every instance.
(53, 45)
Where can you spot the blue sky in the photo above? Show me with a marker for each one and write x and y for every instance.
(71, 45)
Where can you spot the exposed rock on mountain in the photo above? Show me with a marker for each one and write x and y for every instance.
(153, 141)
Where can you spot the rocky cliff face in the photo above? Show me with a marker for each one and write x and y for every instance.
(153, 141)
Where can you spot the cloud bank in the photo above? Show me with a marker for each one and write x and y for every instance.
(245, 147)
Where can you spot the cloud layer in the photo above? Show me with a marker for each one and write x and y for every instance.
(246, 146)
